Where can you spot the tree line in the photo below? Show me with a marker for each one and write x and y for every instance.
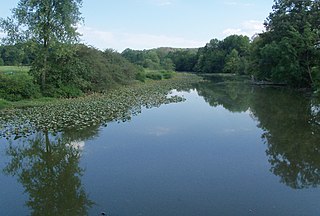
(287, 52)
(43, 34)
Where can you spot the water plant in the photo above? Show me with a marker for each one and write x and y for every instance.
(98, 109)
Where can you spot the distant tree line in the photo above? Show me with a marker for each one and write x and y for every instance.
(288, 52)
(45, 37)
(16, 55)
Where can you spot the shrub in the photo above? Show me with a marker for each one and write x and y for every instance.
(18, 86)
(4, 103)
(167, 74)
(154, 75)
(69, 91)
(141, 76)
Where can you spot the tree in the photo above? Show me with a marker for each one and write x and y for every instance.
(223, 56)
(168, 64)
(289, 50)
(239, 43)
(49, 23)
(184, 59)
(211, 58)
(233, 63)
(48, 169)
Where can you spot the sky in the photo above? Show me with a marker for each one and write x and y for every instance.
(146, 24)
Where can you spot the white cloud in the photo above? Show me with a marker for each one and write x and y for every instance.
(162, 2)
(160, 131)
(238, 4)
(232, 3)
(2, 34)
(122, 40)
(248, 28)
(77, 145)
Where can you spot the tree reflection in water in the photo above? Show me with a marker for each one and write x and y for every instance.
(48, 168)
(292, 135)
(290, 121)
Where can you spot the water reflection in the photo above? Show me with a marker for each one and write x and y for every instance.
(189, 162)
(290, 121)
(292, 135)
(234, 97)
(48, 168)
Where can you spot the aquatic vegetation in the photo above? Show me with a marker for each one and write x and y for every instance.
(98, 109)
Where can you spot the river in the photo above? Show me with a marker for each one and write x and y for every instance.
(226, 149)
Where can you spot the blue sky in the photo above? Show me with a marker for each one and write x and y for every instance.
(144, 24)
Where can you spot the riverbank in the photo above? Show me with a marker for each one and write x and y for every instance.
(161, 77)
(118, 104)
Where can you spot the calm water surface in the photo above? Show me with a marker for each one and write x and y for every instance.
(229, 149)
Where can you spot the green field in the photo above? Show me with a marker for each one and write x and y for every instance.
(14, 69)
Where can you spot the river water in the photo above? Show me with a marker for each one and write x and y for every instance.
(228, 149)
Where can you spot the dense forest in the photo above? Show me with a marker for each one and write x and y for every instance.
(287, 53)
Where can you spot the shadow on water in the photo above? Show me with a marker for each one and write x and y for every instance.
(47, 164)
(290, 121)
(48, 169)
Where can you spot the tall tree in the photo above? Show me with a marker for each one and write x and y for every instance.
(48, 23)
(289, 49)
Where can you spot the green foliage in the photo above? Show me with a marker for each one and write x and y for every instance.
(47, 24)
(163, 58)
(168, 64)
(14, 69)
(167, 74)
(18, 86)
(141, 75)
(154, 75)
(106, 69)
(233, 63)
(289, 50)
(18, 54)
(228, 56)
(64, 91)
(159, 74)
(316, 76)
(81, 70)
(118, 104)
(4, 103)
(184, 60)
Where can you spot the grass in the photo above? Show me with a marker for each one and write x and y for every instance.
(159, 74)
(4, 104)
(14, 69)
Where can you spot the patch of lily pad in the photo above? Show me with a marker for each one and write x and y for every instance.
(98, 109)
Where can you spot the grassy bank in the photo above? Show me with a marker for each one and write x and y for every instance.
(118, 104)
(176, 78)
(4, 104)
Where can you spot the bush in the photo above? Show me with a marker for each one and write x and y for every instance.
(69, 92)
(63, 91)
(167, 74)
(18, 86)
(141, 76)
(154, 75)
(4, 103)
